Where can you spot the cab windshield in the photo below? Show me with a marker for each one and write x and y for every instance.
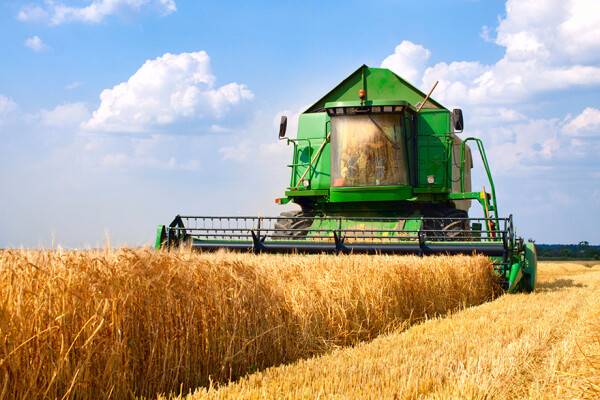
(368, 150)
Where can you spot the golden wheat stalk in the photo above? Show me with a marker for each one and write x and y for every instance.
(544, 345)
(138, 322)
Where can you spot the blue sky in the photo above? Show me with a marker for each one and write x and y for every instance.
(115, 115)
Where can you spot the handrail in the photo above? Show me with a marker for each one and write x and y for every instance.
(309, 166)
(483, 155)
(313, 160)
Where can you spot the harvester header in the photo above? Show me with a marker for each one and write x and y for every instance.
(377, 166)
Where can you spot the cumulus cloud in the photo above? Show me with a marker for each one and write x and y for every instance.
(272, 153)
(526, 145)
(68, 114)
(493, 116)
(7, 106)
(168, 89)
(556, 31)
(35, 43)
(264, 149)
(586, 123)
(32, 13)
(549, 45)
(57, 13)
(408, 60)
(156, 152)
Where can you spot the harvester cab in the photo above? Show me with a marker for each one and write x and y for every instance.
(377, 167)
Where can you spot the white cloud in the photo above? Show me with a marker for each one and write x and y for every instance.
(492, 116)
(129, 161)
(7, 106)
(485, 34)
(156, 152)
(454, 80)
(35, 43)
(549, 45)
(216, 128)
(264, 150)
(32, 13)
(73, 85)
(506, 82)
(586, 123)
(168, 89)
(273, 153)
(526, 145)
(541, 144)
(56, 13)
(555, 30)
(581, 31)
(408, 60)
(68, 114)
(238, 152)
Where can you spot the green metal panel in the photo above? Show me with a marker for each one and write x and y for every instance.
(312, 131)
(313, 126)
(370, 193)
(160, 236)
(307, 193)
(464, 196)
(433, 127)
(379, 84)
(515, 276)
(530, 268)
(401, 227)
(369, 103)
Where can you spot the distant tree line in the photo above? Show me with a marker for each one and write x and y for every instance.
(581, 251)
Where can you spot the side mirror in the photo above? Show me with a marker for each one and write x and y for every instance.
(282, 126)
(457, 120)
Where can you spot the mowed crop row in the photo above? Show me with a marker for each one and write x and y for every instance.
(544, 345)
(139, 322)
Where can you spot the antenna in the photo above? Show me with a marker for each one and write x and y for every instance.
(427, 97)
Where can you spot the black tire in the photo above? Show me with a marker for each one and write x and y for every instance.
(456, 226)
(447, 224)
(292, 225)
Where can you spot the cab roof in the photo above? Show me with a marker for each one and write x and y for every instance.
(380, 84)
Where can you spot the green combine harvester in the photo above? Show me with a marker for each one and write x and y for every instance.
(377, 168)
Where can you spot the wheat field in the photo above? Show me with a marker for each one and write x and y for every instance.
(544, 345)
(137, 323)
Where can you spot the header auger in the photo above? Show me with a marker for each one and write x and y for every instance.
(377, 167)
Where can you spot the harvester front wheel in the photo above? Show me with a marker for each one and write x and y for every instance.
(457, 226)
(449, 224)
(291, 225)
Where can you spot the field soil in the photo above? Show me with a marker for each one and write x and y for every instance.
(544, 345)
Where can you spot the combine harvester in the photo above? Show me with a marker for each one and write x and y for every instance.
(377, 168)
